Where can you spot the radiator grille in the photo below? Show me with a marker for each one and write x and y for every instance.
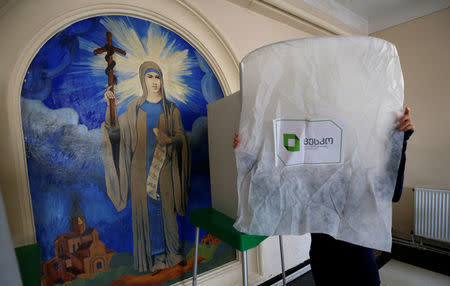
(432, 213)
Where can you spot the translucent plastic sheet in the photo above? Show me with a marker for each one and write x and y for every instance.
(308, 95)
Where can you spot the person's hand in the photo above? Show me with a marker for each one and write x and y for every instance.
(109, 94)
(162, 137)
(155, 196)
(404, 123)
(236, 140)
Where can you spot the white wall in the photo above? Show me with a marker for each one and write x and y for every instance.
(423, 48)
(244, 29)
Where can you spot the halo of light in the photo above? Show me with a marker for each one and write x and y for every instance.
(174, 62)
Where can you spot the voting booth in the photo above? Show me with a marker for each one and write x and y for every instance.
(319, 149)
(223, 122)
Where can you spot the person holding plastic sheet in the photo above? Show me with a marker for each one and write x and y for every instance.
(336, 262)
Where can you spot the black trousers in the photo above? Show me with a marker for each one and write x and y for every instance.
(335, 262)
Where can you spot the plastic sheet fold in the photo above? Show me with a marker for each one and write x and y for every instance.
(299, 99)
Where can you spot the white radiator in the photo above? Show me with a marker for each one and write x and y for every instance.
(432, 213)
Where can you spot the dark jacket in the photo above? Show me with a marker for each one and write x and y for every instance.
(401, 168)
(336, 262)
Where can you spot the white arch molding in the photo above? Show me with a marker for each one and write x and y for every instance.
(33, 23)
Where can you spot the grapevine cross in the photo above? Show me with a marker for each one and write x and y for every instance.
(110, 49)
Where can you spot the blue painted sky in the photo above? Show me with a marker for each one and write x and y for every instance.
(62, 110)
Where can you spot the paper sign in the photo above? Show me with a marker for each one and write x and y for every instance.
(301, 141)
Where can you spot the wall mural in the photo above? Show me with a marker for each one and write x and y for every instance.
(115, 127)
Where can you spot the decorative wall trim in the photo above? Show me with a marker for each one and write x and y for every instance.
(300, 15)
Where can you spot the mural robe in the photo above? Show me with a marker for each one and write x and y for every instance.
(124, 158)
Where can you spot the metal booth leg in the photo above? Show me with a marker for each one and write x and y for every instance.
(194, 278)
(283, 273)
(244, 268)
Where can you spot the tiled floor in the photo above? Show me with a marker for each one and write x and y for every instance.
(396, 273)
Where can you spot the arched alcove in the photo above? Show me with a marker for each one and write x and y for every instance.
(40, 25)
(34, 24)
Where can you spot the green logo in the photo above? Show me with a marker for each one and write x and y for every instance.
(290, 148)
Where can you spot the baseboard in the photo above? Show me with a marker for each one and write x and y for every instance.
(291, 274)
(422, 257)
(382, 259)
(402, 250)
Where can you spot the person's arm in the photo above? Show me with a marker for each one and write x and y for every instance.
(110, 95)
(113, 132)
(405, 125)
(116, 156)
(179, 136)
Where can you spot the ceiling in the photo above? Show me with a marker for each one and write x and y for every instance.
(382, 14)
(367, 16)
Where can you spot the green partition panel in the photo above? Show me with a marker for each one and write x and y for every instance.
(29, 259)
(221, 226)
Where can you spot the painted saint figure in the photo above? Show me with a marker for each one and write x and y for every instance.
(146, 157)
